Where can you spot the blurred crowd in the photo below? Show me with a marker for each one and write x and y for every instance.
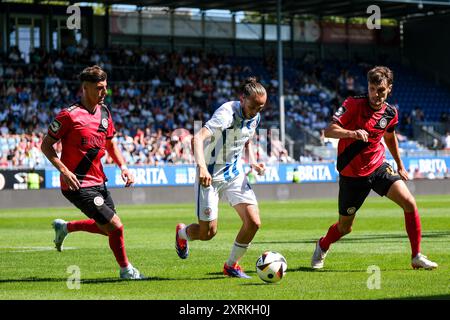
(157, 97)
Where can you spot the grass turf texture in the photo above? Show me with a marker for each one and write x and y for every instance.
(32, 269)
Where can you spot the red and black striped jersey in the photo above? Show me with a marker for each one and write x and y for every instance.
(357, 158)
(83, 136)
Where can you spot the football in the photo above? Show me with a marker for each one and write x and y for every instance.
(271, 266)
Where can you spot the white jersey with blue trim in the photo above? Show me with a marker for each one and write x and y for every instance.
(230, 132)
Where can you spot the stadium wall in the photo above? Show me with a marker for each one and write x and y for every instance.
(51, 198)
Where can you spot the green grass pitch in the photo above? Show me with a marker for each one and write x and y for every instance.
(32, 269)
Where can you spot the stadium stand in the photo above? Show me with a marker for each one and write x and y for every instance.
(156, 97)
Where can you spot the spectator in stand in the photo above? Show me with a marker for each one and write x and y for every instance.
(447, 141)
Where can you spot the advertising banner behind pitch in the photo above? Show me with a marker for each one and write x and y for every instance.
(184, 175)
(17, 179)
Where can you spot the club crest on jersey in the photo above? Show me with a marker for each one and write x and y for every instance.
(339, 112)
(105, 123)
(55, 126)
(351, 211)
(383, 123)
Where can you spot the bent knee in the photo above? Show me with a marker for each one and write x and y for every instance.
(256, 224)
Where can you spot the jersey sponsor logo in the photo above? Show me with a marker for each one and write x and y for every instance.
(339, 112)
(55, 126)
(105, 123)
(99, 201)
(351, 211)
(93, 141)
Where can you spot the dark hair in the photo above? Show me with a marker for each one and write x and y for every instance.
(379, 74)
(251, 87)
(93, 74)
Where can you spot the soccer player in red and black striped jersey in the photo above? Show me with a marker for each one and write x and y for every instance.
(86, 131)
(360, 124)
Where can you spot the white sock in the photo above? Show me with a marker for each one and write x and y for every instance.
(237, 252)
(182, 233)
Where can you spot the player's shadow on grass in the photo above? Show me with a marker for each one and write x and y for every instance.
(366, 238)
(82, 281)
(103, 280)
(394, 236)
(259, 284)
(309, 269)
(221, 273)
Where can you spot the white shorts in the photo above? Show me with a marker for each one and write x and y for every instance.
(236, 191)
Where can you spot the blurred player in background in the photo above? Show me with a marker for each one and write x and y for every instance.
(86, 130)
(360, 124)
(220, 173)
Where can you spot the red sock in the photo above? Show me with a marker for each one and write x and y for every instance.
(414, 230)
(332, 236)
(84, 225)
(117, 245)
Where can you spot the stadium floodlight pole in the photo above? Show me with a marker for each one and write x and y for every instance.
(280, 75)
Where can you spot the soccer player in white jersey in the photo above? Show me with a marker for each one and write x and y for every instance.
(218, 149)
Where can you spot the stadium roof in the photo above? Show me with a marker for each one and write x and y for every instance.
(348, 8)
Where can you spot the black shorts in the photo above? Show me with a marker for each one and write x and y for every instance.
(353, 191)
(95, 202)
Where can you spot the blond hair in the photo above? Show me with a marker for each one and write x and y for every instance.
(251, 87)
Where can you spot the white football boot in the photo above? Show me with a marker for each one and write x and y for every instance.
(421, 261)
(131, 273)
(318, 257)
(60, 227)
